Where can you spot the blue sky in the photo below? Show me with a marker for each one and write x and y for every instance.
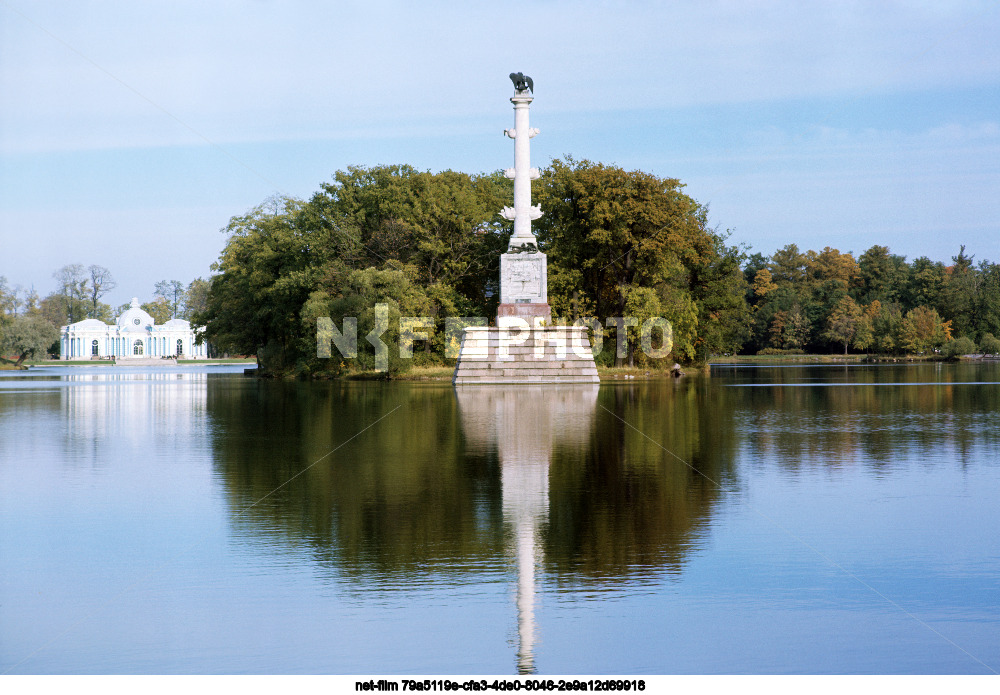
(131, 132)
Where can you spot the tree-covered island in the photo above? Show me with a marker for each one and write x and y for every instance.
(619, 243)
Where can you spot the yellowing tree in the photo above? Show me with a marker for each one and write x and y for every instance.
(842, 324)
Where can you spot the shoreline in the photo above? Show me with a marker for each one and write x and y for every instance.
(109, 363)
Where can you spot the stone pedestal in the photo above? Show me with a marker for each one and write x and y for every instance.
(524, 287)
(519, 354)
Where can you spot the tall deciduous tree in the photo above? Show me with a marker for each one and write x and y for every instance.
(882, 276)
(447, 225)
(101, 282)
(276, 255)
(610, 233)
(958, 297)
(73, 289)
(195, 297)
(159, 309)
(173, 292)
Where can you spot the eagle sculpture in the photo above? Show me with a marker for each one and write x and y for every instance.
(522, 82)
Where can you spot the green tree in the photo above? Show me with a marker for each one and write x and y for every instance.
(882, 276)
(788, 267)
(611, 233)
(612, 237)
(864, 336)
(953, 349)
(926, 283)
(447, 225)
(275, 256)
(923, 330)
(26, 336)
(831, 266)
(986, 305)
(8, 306)
(989, 344)
(959, 295)
(53, 309)
(195, 297)
(887, 327)
(363, 291)
(159, 309)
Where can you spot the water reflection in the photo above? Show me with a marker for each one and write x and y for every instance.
(379, 527)
(399, 488)
(879, 416)
(368, 480)
(524, 424)
(149, 409)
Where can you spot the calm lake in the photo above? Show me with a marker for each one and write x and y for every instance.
(800, 519)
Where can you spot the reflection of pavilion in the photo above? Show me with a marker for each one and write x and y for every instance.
(525, 423)
(136, 405)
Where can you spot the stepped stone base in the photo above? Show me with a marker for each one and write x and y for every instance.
(145, 361)
(513, 355)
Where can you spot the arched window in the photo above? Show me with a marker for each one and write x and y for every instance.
(94, 348)
(137, 347)
(180, 346)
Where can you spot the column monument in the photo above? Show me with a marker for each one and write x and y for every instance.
(523, 271)
(524, 347)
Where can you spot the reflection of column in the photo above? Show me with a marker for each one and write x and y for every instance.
(525, 423)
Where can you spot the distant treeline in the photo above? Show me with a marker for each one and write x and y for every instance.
(876, 303)
(619, 243)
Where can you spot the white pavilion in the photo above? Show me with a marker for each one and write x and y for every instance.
(134, 335)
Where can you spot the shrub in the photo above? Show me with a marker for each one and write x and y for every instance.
(954, 349)
(989, 345)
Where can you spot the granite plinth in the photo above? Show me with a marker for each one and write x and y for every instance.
(529, 311)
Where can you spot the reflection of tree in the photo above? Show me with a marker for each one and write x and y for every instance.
(629, 505)
(885, 414)
(399, 497)
(422, 491)
(419, 491)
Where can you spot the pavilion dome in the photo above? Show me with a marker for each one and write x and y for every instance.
(134, 318)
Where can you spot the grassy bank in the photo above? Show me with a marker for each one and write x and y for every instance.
(445, 373)
(109, 363)
(70, 363)
(222, 360)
